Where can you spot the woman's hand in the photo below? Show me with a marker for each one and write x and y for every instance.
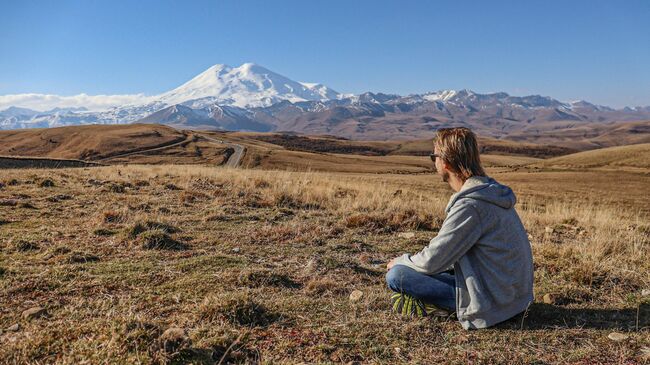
(391, 263)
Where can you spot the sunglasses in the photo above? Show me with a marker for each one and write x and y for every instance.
(433, 157)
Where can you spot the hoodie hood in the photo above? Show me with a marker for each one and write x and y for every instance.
(486, 189)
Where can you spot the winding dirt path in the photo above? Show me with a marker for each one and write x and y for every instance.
(235, 159)
(188, 138)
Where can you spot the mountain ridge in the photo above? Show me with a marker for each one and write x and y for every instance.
(251, 97)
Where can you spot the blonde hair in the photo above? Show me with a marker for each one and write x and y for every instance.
(458, 148)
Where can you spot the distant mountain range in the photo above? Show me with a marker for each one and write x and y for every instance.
(253, 98)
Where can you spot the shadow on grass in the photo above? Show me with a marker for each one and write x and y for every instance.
(545, 316)
(217, 355)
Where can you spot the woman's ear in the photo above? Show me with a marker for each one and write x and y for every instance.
(447, 166)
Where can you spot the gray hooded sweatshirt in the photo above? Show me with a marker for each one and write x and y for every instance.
(485, 241)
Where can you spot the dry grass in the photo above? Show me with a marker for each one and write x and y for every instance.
(85, 142)
(633, 156)
(405, 157)
(257, 266)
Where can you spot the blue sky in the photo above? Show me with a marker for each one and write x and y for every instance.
(593, 50)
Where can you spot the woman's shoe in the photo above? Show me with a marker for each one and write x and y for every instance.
(408, 305)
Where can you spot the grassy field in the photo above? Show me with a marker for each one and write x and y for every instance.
(173, 263)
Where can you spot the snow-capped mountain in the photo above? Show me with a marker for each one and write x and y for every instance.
(248, 85)
(251, 97)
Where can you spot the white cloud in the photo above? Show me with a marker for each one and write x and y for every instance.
(43, 102)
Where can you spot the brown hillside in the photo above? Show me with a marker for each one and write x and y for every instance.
(584, 136)
(489, 146)
(633, 156)
(89, 142)
(419, 147)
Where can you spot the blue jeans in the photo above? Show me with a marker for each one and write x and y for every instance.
(438, 289)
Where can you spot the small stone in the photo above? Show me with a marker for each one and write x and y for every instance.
(645, 293)
(406, 235)
(356, 295)
(34, 312)
(174, 339)
(550, 298)
(530, 237)
(236, 250)
(549, 229)
(14, 327)
(618, 337)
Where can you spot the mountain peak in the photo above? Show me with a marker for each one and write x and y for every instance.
(250, 66)
(248, 85)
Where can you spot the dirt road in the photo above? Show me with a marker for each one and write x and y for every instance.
(233, 161)
(235, 158)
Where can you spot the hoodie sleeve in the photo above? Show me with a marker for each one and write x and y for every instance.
(459, 232)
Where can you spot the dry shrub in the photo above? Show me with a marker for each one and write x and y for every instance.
(170, 186)
(116, 188)
(261, 183)
(345, 193)
(95, 182)
(285, 200)
(584, 273)
(113, 216)
(140, 227)
(144, 207)
(317, 287)
(236, 308)
(141, 183)
(27, 205)
(253, 199)
(254, 279)
(277, 234)
(47, 183)
(413, 220)
(203, 184)
(82, 258)
(159, 240)
(22, 245)
(372, 222)
(218, 217)
(58, 198)
(137, 334)
(189, 197)
(8, 203)
(103, 232)
(58, 251)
